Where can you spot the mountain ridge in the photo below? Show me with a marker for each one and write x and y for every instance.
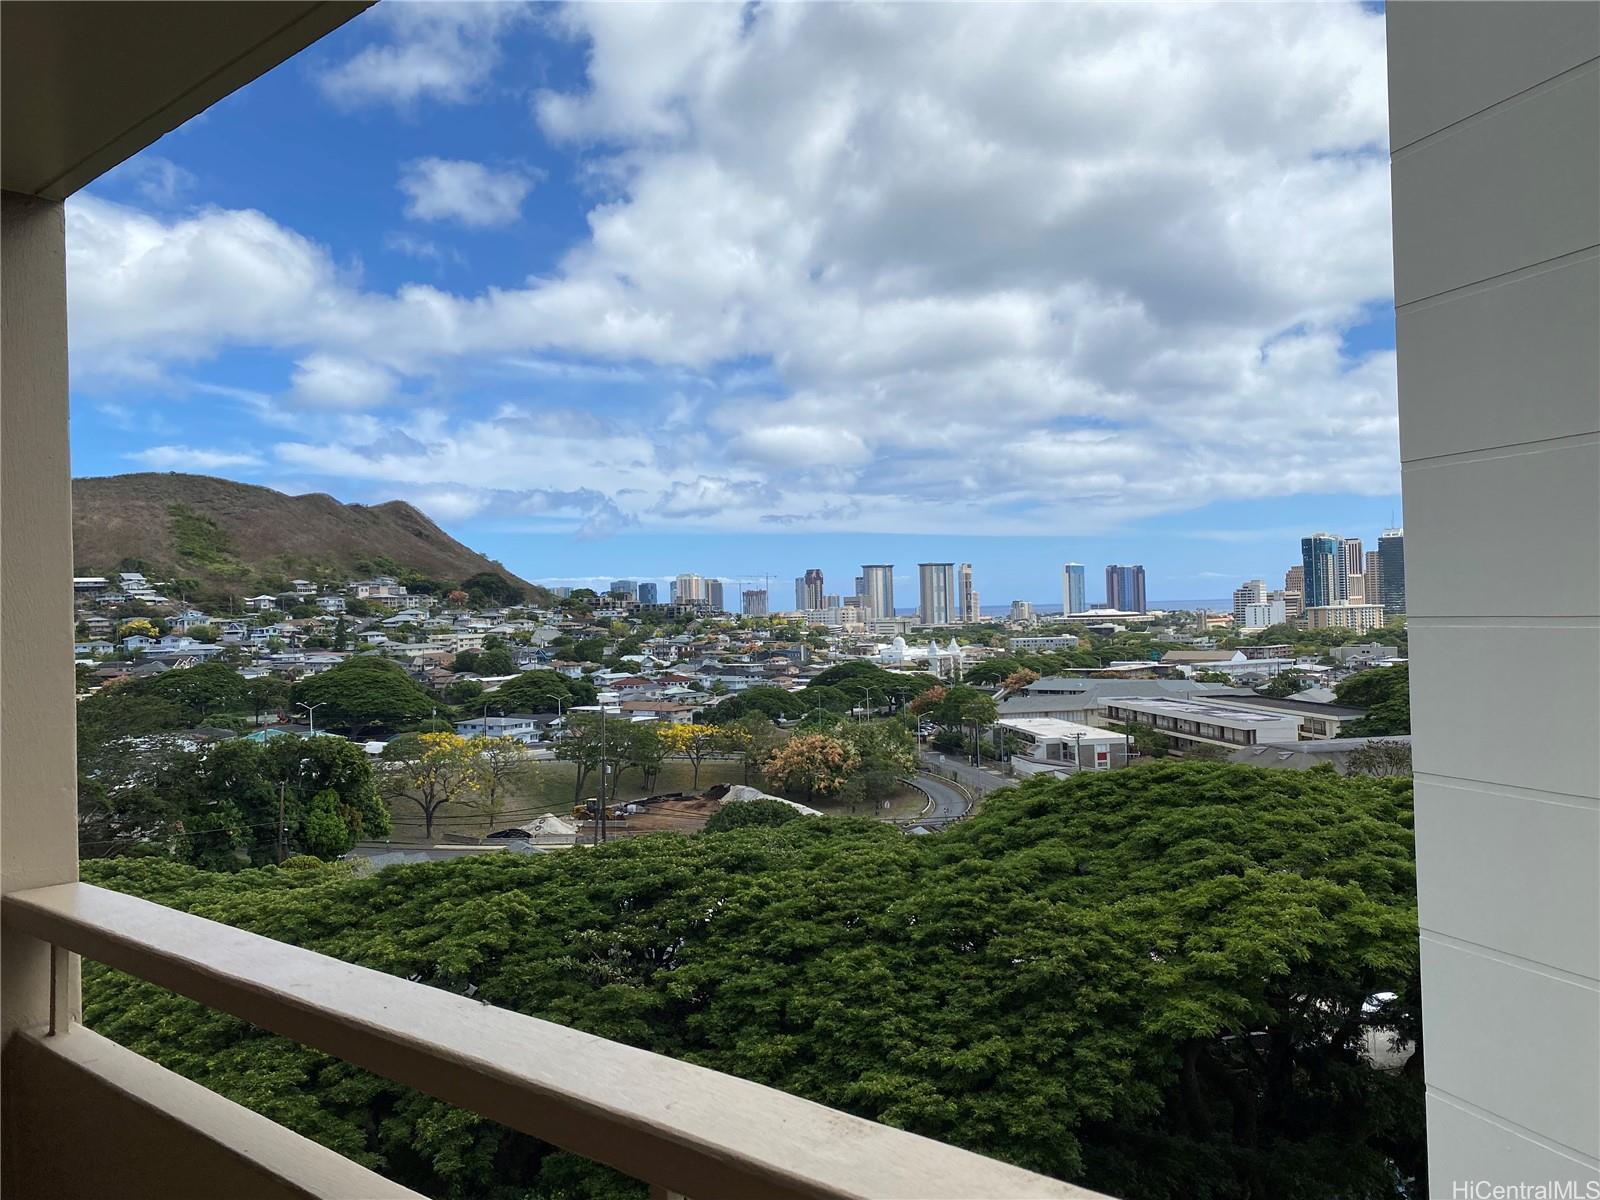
(226, 535)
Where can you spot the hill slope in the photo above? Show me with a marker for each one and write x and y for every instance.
(230, 535)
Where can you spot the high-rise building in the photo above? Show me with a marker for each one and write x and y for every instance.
(1355, 589)
(689, 589)
(937, 599)
(713, 595)
(649, 593)
(624, 587)
(968, 608)
(1268, 613)
(1360, 617)
(1125, 587)
(876, 589)
(1372, 578)
(1322, 563)
(1074, 596)
(1022, 611)
(1392, 571)
(808, 590)
(1294, 591)
(755, 603)
(1351, 562)
(1252, 592)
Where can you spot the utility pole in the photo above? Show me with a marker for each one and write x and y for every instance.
(282, 784)
(605, 766)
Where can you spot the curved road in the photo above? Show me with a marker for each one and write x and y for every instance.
(949, 801)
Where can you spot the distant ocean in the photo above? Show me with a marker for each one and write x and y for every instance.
(1045, 610)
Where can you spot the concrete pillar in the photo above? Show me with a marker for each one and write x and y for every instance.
(38, 770)
(1495, 136)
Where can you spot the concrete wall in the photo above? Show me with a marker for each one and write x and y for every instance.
(38, 765)
(1495, 129)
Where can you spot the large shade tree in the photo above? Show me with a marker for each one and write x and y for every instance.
(1161, 982)
(363, 695)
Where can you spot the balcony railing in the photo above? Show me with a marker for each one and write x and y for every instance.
(684, 1129)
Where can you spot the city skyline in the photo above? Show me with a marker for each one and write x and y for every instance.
(941, 589)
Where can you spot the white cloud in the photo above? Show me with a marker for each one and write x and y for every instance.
(443, 189)
(158, 180)
(327, 381)
(423, 248)
(192, 458)
(917, 268)
(440, 52)
(706, 496)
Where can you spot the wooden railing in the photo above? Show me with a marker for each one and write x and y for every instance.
(684, 1129)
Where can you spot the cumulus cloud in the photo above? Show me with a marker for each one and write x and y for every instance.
(192, 458)
(440, 52)
(444, 189)
(328, 381)
(921, 268)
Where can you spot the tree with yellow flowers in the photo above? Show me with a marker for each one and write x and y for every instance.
(700, 742)
(430, 770)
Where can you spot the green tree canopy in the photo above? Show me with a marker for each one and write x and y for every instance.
(1158, 982)
(363, 694)
(491, 587)
(536, 691)
(744, 814)
(1385, 692)
(772, 702)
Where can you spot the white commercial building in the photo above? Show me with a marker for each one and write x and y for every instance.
(1064, 747)
(1209, 722)
(1042, 644)
(1263, 615)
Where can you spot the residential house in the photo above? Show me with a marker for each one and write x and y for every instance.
(668, 712)
(262, 603)
(523, 727)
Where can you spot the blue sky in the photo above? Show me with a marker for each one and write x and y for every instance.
(628, 290)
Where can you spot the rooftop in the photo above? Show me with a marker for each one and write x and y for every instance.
(1056, 729)
(1197, 710)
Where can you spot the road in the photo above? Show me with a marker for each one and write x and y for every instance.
(979, 779)
(949, 801)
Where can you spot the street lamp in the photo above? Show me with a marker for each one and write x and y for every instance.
(867, 692)
(311, 713)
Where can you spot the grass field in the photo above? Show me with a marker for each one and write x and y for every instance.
(547, 788)
(903, 804)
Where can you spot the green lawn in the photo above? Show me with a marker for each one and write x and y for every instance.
(548, 788)
(904, 803)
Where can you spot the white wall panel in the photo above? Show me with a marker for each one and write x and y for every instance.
(1526, 1046)
(1497, 366)
(1518, 185)
(1490, 856)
